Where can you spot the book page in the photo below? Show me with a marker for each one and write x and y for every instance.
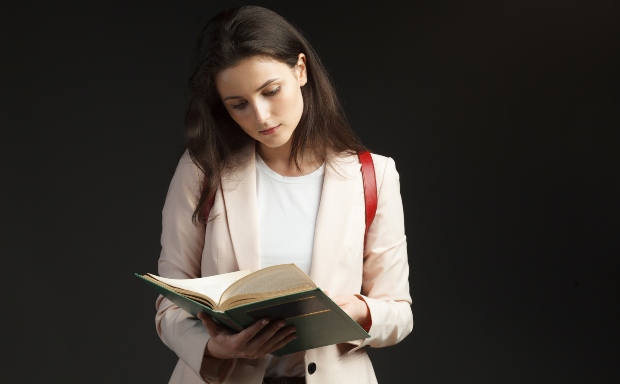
(211, 286)
(247, 298)
(271, 279)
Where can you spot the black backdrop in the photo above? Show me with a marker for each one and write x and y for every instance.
(502, 117)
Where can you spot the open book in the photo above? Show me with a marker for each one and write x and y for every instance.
(238, 299)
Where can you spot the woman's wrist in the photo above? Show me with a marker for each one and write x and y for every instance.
(365, 320)
(209, 351)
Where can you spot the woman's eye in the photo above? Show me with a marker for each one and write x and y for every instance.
(243, 104)
(240, 105)
(272, 92)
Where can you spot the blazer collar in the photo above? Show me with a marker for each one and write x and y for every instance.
(341, 181)
(239, 193)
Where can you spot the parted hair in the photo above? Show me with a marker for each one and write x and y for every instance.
(213, 137)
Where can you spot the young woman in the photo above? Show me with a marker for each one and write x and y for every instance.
(273, 162)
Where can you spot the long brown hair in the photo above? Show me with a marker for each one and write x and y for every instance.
(213, 136)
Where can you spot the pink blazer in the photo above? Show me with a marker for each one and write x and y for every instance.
(340, 264)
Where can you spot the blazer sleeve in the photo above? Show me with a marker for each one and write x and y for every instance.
(385, 284)
(182, 244)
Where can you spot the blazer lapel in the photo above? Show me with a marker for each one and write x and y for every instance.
(341, 182)
(239, 193)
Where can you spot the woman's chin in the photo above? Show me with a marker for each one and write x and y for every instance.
(274, 143)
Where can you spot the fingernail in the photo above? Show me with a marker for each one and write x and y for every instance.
(281, 325)
(266, 321)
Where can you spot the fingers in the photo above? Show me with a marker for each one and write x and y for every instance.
(267, 336)
(348, 303)
(340, 299)
(258, 339)
(250, 332)
(354, 306)
(287, 339)
(268, 339)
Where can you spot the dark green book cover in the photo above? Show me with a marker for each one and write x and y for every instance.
(317, 319)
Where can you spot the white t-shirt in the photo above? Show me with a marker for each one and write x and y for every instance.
(287, 210)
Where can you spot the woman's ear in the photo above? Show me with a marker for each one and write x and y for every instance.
(301, 70)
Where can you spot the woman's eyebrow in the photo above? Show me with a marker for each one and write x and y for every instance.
(266, 83)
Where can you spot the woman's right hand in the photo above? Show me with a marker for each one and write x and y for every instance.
(258, 339)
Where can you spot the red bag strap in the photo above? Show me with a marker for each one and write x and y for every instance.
(370, 188)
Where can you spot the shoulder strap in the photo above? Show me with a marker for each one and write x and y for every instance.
(370, 188)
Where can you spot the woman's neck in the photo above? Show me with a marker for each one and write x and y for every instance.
(277, 159)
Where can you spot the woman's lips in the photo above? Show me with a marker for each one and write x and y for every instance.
(269, 131)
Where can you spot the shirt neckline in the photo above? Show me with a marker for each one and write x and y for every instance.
(260, 164)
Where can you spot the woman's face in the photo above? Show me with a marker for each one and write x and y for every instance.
(263, 96)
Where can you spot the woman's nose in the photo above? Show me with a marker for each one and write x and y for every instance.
(262, 111)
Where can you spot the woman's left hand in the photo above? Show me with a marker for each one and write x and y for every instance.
(354, 307)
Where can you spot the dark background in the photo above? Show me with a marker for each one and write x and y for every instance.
(502, 117)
